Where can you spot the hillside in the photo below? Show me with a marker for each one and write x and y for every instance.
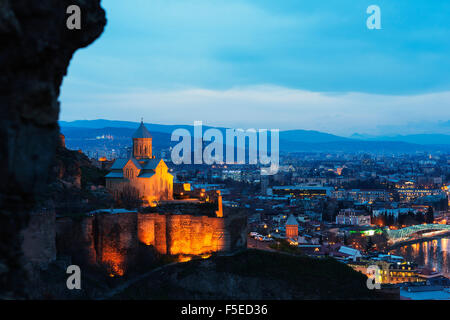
(76, 184)
(253, 274)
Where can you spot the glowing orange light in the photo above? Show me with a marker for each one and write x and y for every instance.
(184, 258)
(114, 262)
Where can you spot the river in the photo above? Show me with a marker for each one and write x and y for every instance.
(434, 254)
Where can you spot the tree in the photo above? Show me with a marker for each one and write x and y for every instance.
(345, 240)
(420, 218)
(369, 244)
(129, 198)
(429, 216)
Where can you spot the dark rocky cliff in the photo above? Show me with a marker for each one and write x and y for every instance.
(76, 185)
(36, 48)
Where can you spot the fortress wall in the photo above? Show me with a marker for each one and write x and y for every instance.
(195, 235)
(108, 240)
(187, 234)
(146, 229)
(38, 244)
(160, 233)
(117, 241)
(152, 231)
(76, 238)
(112, 240)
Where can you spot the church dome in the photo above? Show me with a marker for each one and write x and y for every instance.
(291, 221)
(142, 132)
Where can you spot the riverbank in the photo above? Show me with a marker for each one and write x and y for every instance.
(420, 240)
(432, 253)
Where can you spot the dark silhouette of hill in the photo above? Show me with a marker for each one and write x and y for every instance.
(254, 275)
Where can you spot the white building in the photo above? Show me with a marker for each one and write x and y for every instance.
(353, 217)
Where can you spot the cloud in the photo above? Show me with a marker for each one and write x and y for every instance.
(315, 45)
(269, 107)
(284, 64)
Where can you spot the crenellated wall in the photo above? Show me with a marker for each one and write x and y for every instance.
(184, 234)
(116, 241)
(112, 240)
(106, 240)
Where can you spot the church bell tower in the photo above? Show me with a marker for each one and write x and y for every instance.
(142, 143)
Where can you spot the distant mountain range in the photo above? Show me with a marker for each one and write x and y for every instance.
(290, 140)
(101, 123)
(412, 138)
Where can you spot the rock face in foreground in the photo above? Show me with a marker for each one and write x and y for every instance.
(36, 48)
(78, 186)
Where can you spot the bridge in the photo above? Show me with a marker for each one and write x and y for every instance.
(405, 233)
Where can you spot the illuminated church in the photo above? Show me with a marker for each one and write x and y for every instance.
(142, 174)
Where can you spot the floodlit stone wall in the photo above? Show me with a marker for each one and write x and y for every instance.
(112, 240)
(183, 234)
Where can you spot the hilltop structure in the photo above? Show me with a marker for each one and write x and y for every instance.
(292, 228)
(142, 175)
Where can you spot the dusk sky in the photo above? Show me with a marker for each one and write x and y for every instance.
(288, 64)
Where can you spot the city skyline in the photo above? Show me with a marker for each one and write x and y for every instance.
(225, 158)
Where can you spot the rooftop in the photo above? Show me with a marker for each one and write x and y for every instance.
(142, 132)
(291, 221)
